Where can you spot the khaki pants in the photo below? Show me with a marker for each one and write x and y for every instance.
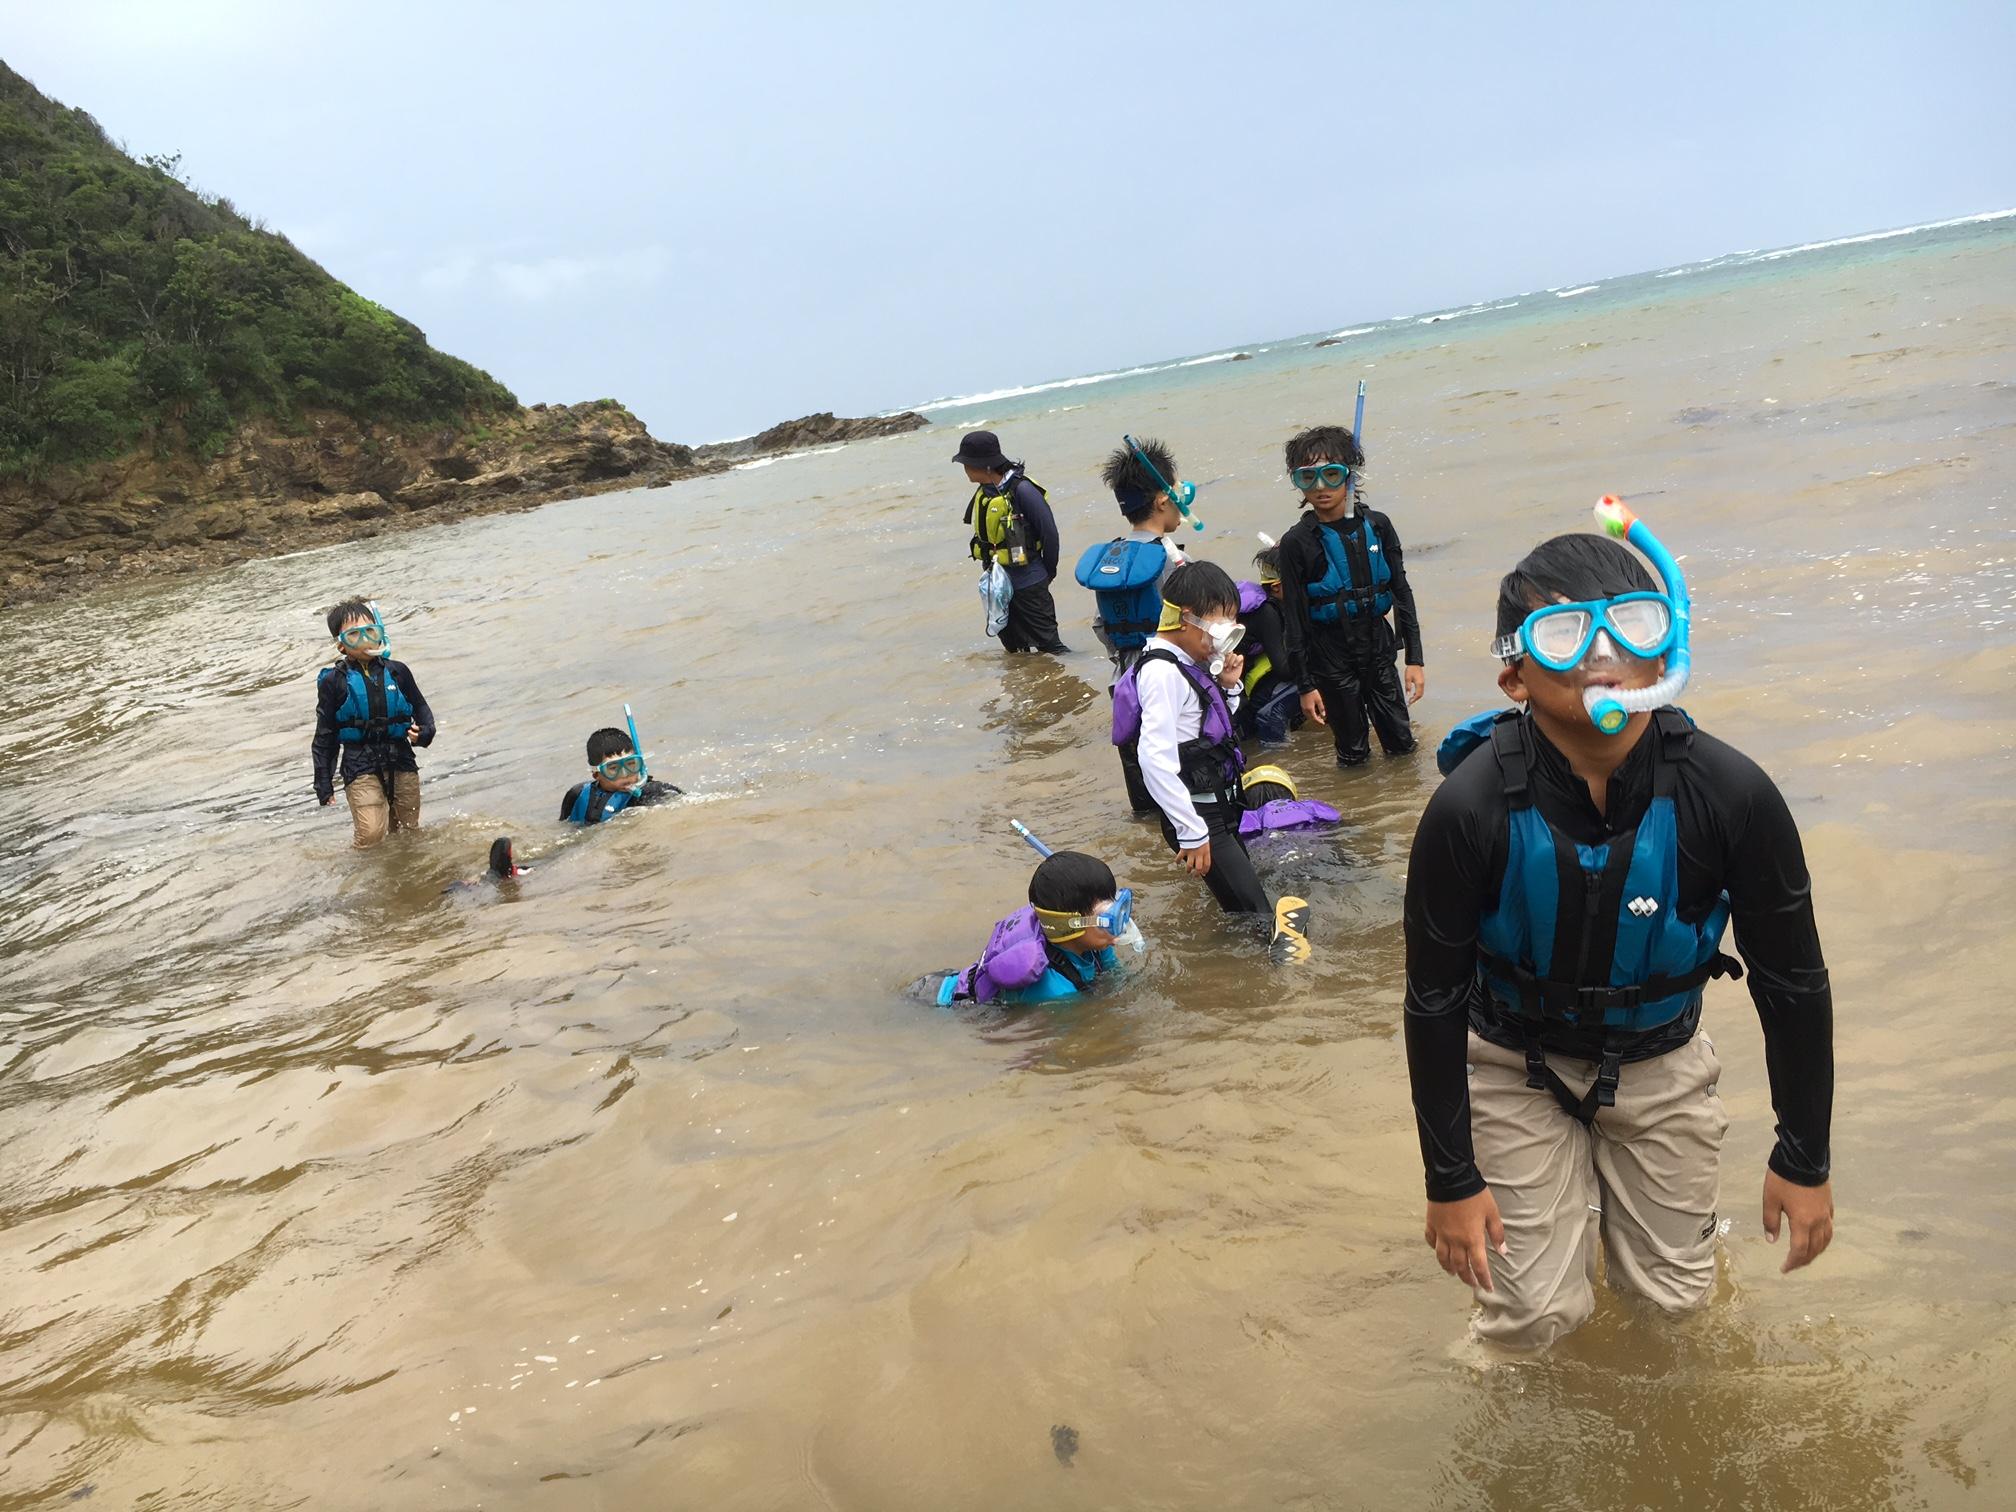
(1645, 1173)
(371, 816)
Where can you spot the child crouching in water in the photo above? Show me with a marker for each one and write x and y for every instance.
(1057, 946)
(617, 779)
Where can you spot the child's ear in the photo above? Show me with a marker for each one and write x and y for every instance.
(1512, 681)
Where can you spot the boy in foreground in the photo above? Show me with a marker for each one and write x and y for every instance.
(369, 708)
(1566, 898)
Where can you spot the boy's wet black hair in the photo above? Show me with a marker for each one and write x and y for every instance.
(1258, 793)
(502, 862)
(1132, 484)
(1071, 882)
(1574, 567)
(1268, 557)
(1201, 587)
(1324, 443)
(346, 611)
(607, 742)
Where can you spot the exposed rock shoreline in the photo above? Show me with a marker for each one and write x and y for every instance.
(329, 479)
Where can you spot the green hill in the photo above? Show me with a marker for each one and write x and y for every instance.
(137, 314)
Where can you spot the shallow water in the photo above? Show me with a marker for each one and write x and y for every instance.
(642, 1185)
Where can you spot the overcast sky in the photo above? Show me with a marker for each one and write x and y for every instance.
(725, 215)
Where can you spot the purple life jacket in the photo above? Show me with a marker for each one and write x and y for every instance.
(1210, 762)
(1251, 597)
(1016, 955)
(1287, 813)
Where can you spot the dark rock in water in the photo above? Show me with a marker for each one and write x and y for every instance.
(1240, 357)
(1063, 1443)
(1331, 341)
(822, 429)
(1698, 415)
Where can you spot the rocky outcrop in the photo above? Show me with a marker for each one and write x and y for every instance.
(822, 429)
(328, 478)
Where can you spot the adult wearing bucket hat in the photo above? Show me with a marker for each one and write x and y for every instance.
(1012, 523)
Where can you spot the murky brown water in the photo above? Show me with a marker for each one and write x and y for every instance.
(645, 1188)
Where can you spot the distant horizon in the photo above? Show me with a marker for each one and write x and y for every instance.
(1320, 333)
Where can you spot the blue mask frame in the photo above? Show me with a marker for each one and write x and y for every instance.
(1322, 475)
(1521, 641)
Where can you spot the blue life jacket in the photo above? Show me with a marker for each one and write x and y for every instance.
(372, 708)
(1339, 587)
(1020, 966)
(1126, 577)
(595, 804)
(1621, 898)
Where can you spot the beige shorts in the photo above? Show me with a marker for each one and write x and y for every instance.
(371, 815)
(1644, 1174)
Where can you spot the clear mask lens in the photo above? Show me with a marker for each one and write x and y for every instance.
(362, 637)
(616, 768)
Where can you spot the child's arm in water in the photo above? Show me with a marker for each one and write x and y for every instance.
(422, 732)
(322, 749)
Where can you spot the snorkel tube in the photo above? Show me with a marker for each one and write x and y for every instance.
(1358, 420)
(1610, 709)
(384, 646)
(1185, 494)
(643, 771)
(1034, 844)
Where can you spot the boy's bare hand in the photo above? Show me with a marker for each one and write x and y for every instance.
(1312, 707)
(325, 802)
(1416, 679)
(413, 735)
(1232, 671)
(1460, 1232)
(1811, 1211)
(1196, 860)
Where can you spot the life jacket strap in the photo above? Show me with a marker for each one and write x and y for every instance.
(1602, 1092)
(1541, 999)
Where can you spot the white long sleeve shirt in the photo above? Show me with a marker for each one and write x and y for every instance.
(1172, 712)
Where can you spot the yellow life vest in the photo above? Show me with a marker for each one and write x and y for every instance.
(1256, 669)
(997, 527)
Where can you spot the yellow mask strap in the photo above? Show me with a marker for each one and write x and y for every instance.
(1172, 617)
(1057, 926)
(1268, 575)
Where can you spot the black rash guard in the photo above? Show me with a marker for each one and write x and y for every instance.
(1266, 636)
(1735, 835)
(1317, 652)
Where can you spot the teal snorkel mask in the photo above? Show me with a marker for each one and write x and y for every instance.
(1645, 625)
(1185, 494)
(371, 639)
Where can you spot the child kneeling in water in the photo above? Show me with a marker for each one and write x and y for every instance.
(618, 779)
(1056, 947)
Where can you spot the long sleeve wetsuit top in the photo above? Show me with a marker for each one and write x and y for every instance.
(393, 754)
(1735, 835)
(1172, 712)
(1316, 652)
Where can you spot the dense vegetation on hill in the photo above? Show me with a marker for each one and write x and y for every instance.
(136, 313)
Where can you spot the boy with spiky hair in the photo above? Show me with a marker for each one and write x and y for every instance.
(1126, 573)
(1341, 575)
(369, 708)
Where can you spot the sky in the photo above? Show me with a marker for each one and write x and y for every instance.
(729, 215)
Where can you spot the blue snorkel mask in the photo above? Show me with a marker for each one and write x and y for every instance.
(372, 639)
(1185, 494)
(1116, 917)
(1644, 625)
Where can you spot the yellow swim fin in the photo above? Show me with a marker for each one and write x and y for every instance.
(1291, 940)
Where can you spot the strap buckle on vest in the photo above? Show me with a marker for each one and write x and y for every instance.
(1602, 1091)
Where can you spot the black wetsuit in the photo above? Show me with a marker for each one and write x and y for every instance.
(1735, 835)
(1267, 635)
(360, 758)
(1351, 662)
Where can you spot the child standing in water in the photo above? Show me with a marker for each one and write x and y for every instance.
(1178, 703)
(1341, 575)
(1566, 898)
(1272, 706)
(369, 708)
(1126, 573)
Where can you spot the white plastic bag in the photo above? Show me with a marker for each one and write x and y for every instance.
(995, 592)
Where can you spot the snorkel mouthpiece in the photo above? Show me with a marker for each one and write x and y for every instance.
(1610, 709)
